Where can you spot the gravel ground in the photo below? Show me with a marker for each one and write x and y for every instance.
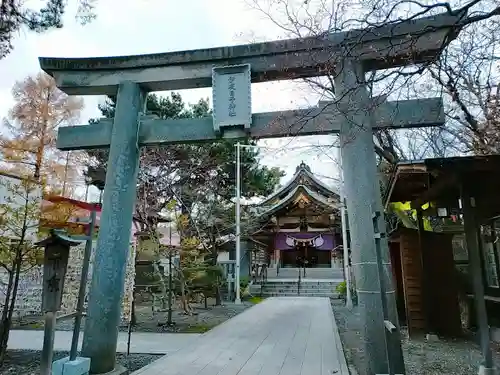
(27, 362)
(200, 321)
(445, 357)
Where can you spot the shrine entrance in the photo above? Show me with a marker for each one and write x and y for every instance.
(305, 256)
(303, 249)
(346, 57)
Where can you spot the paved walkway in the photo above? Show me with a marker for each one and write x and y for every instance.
(280, 336)
(141, 342)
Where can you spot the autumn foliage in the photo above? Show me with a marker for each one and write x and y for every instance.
(28, 144)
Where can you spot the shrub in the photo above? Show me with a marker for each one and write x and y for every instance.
(341, 289)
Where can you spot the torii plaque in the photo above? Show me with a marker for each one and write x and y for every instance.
(131, 77)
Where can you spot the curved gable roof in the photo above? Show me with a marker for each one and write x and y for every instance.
(302, 171)
(317, 198)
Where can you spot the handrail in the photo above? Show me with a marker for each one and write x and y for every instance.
(298, 283)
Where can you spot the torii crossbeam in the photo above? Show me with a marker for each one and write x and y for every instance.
(313, 121)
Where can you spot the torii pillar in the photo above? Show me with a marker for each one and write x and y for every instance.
(113, 243)
(363, 199)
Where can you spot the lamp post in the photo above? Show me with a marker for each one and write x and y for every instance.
(345, 243)
(238, 224)
(238, 146)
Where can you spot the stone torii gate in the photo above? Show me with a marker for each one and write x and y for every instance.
(354, 115)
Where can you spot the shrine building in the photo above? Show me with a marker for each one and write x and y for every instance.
(299, 225)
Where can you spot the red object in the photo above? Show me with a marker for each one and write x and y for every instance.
(77, 203)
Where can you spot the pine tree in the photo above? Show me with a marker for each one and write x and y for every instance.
(15, 14)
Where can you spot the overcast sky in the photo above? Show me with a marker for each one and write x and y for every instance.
(127, 27)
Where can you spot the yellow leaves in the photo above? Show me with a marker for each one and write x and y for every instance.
(26, 252)
(171, 205)
(182, 222)
(190, 243)
(60, 211)
(40, 108)
(402, 209)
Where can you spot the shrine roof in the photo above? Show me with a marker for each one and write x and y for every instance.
(303, 176)
(294, 194)
(440, 180)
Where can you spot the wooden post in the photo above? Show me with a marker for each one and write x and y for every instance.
(475, 272)
(426, 289)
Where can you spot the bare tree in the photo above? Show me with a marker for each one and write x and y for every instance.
(466, 73)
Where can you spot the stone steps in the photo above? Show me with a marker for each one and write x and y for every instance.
(305, 284)
(311, 273)
(316, 288)
(288, 294)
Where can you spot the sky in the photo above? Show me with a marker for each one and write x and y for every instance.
(127, 27)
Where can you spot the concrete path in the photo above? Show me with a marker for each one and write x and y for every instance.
(280, 336)
(141, 342)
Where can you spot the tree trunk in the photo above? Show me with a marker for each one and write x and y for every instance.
(213, 262)
(218, 299)
(163, 287)
(11, 304)
(8, 310)
(170, 287)
(185, 305)
(4, 325)
(133, 315)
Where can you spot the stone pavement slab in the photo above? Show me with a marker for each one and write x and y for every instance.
(141, 342)
(280, 336)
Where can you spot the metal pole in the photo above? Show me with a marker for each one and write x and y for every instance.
(170, 281)
(86, 192)
(130, 328)
(345, 244)
(238, 229)
(48, 343)
(83, 287)
(378, 235)
(65, 173)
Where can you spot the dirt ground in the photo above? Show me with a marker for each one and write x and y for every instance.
(201, 320)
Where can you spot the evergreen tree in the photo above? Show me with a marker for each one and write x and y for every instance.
(199, 170)
(16, 14)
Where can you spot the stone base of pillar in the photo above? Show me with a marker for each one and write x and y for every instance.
(119, 370)
(63, 366)
(487, 371)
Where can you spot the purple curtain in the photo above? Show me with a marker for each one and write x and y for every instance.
(319, 241)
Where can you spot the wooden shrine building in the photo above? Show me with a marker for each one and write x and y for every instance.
(300, 225)
(449, 257)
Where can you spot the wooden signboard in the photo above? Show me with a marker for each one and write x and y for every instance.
(54, 272)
